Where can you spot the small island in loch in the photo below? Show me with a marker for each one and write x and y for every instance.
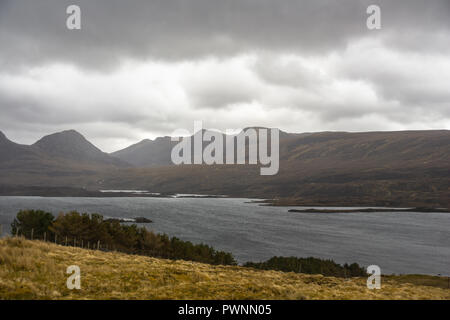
(368, 210)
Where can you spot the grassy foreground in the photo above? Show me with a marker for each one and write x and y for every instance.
(37, 270)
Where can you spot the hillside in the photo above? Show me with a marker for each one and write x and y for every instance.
(36, 270)
(406, 168)
(400, 168)
(379, 147)
(147, 153)
(61, 159)
(19, 155)
(157, 153)
(72, 146)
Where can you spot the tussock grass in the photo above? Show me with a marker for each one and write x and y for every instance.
(36, 270)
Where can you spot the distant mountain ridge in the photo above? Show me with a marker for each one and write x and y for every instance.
(147, 153)
(377, 146)
(11, 151)
(402, 168)
(154, 153)
(66, 151)
(399, 168)
(72, 145)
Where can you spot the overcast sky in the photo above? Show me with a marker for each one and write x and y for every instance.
(143, 68)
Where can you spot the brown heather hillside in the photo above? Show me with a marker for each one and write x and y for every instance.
(63, 155)
(402, 169)
(36, 270)
(405, 168)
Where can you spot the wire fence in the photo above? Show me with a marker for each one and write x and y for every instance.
(67, 241)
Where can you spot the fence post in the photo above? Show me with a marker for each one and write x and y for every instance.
(98, 244)
(55, 238)
(32, 233)
(88, 244)
(66, 241)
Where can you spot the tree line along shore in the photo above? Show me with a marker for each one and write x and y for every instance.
(92, 231)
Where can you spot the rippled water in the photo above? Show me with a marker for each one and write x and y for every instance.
(399, 242)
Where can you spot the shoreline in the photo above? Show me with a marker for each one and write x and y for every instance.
(71, 192)
(368, 205)
(369, 210)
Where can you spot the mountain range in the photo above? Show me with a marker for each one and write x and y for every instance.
(67, 149)
(147, 153)
(376, 168)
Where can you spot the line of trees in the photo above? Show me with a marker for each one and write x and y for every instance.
(309, 265)
(91, 229)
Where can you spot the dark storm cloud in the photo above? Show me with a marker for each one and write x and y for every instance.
(138, 69)
(33, 32)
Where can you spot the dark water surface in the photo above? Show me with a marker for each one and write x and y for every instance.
(399, 242)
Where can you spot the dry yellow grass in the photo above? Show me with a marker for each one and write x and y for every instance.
(37, 270)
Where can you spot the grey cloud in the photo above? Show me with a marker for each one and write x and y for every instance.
(34, 32)
(391, 78)
(290, 73)
(414, 79)
(215, 97)
(44, 112)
